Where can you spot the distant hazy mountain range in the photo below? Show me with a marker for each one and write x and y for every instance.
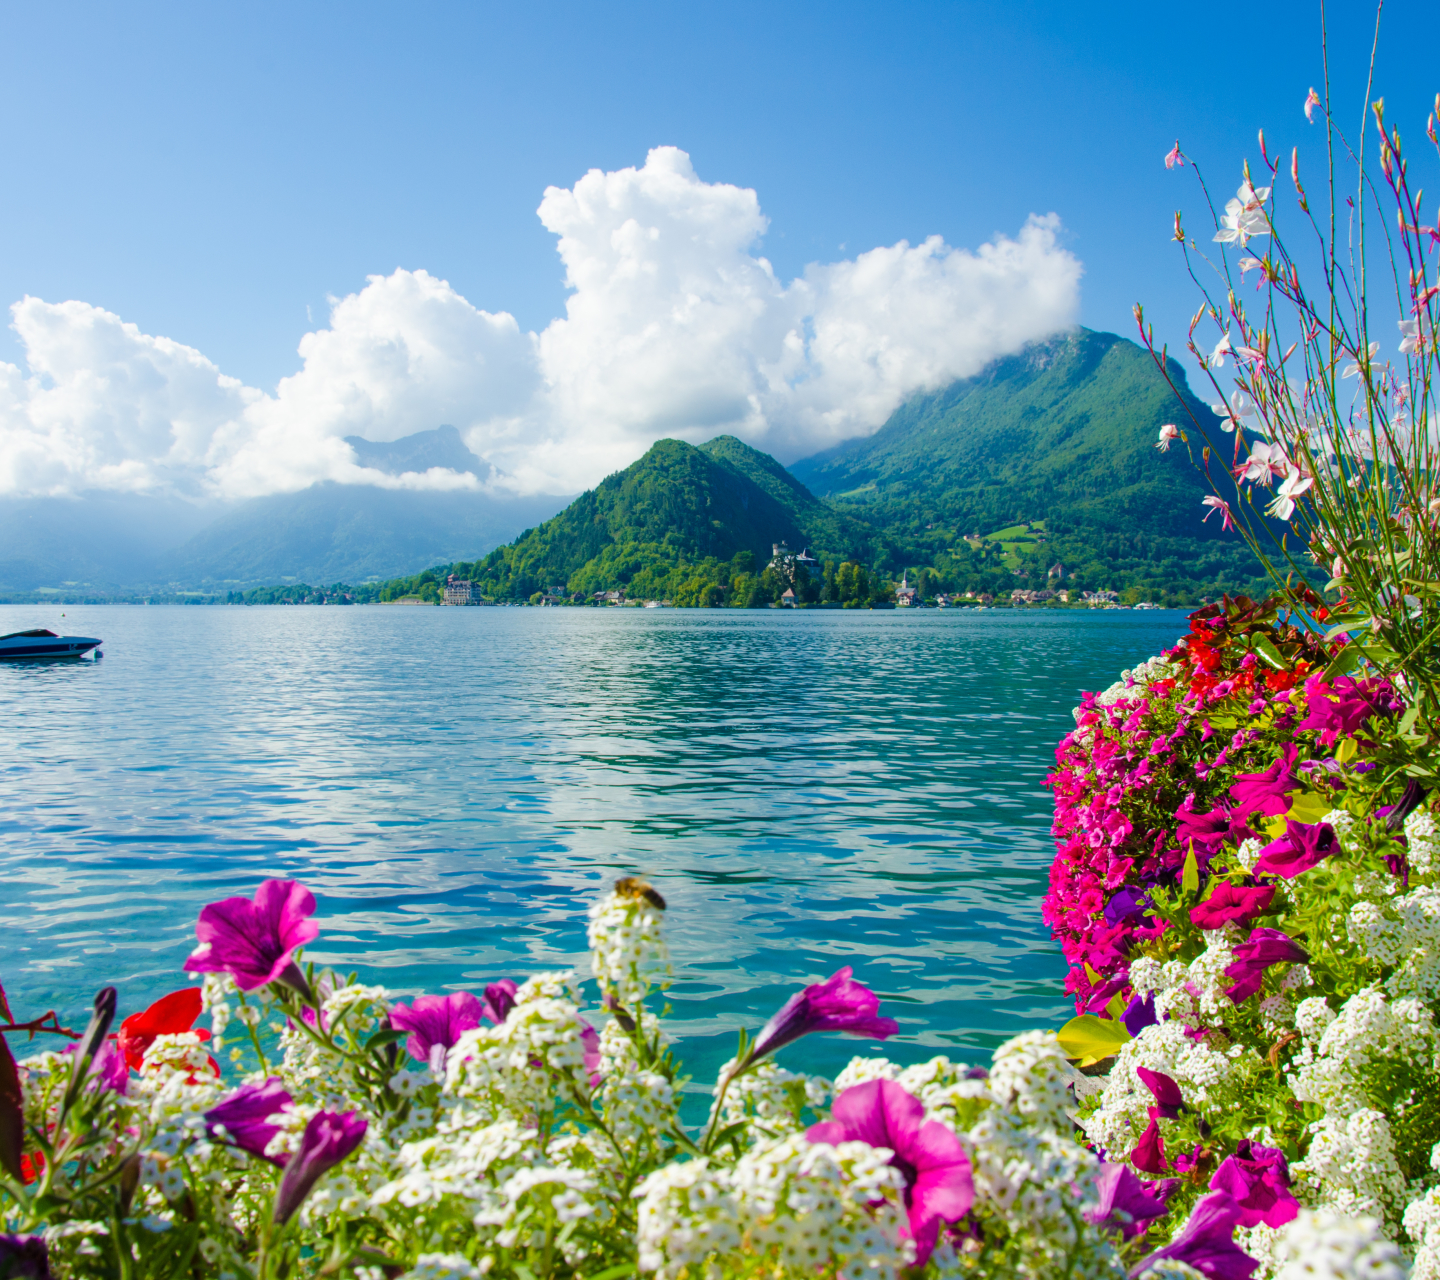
(327, 533)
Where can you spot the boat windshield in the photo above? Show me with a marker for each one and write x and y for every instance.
(38, 631)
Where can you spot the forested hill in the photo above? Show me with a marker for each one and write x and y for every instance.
(678, 505)
(1064, 433)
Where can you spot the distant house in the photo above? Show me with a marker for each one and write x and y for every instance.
(462, 591)
(905, 594)
(787, 601)
(609, 597)
(1057, 571)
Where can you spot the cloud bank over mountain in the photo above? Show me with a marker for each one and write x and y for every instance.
(674, 327)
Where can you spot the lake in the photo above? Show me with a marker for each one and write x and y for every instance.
(807, 789)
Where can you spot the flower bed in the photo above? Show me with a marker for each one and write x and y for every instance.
(1245, 887)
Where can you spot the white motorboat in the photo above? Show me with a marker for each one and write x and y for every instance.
(40, 645)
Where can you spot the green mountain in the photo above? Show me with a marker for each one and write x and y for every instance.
(677, 509)
(1062, 436)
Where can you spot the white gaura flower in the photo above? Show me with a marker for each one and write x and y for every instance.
(1168, 434)
(1414, 335)
(1222, 349)
(1266, 464)
(1293, 487)
(1240, 406)
(1244, 217)
(1353, 368)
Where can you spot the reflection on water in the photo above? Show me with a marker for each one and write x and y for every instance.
(806, 789)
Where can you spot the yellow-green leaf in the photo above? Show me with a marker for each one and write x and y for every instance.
(1309, 806)
(1117, 1005)
(1091, 1039)
(1269, 653)
(1090, 973)
(1190, 874)
(1273, 827)
(1346, 751)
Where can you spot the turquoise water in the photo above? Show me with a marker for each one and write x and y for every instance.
(808, 790)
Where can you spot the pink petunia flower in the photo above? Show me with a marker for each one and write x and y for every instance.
(1263, 948)
(1128, 1202)
(436, 1023)
(1232, 902)
(1303, 846)
(244, 1119)
(1259, 1180)
(328, 1139)
(1267, 792)
(938, 1183)
(255, 942)
(837, 1004)
(1207, 1244)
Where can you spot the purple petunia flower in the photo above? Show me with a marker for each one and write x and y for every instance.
(1128, 1202)
(1232, 902)
(1258, 1178)
(328, 1139)
(246, 1117)
(435, 1024)
(1263, 948)
(1169, 1102)
(1266, 792)
(1139, 1014)
(499, 1000)
(1208, 1242)
(255, 942)
(1303, 846)
(24, 1258)
(837, 1004)
(1127, 904)
(938, 1183)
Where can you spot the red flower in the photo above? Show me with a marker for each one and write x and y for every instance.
(169, 1016)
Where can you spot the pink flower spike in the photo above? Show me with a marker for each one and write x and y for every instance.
(255, 942)
(938, 1183)
(1312, 100)
(1173, 156)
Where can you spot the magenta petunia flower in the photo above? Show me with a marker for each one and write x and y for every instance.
(435, 1024)
(328, 1139)
(1128, 1202)
(1267, 792)
(24, 1257)
(1208, 1242)
(1340, 709)
(1232, 902)
(1169, 1102)
(499, 1000)
(938, 1183)
(837, 1004)
(246, 1117)
(1303, 846)
(107, 1070)
(255, 942)
(1148, 1155)
(1258, 1178)
(1263, 948)
(590, 1046)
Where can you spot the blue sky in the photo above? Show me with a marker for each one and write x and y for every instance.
(210, 172)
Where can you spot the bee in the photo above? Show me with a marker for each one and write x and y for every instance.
(634, 887)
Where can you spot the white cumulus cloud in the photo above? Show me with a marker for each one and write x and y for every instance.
(675, 326)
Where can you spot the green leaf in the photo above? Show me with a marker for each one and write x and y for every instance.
(615, 1272)
(1269, 652)
(1345, 661)
(1407, 721)
(1346, 751)
(1091, 1039)
(381, 1038)
(1190, 874)
(1309, 806)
